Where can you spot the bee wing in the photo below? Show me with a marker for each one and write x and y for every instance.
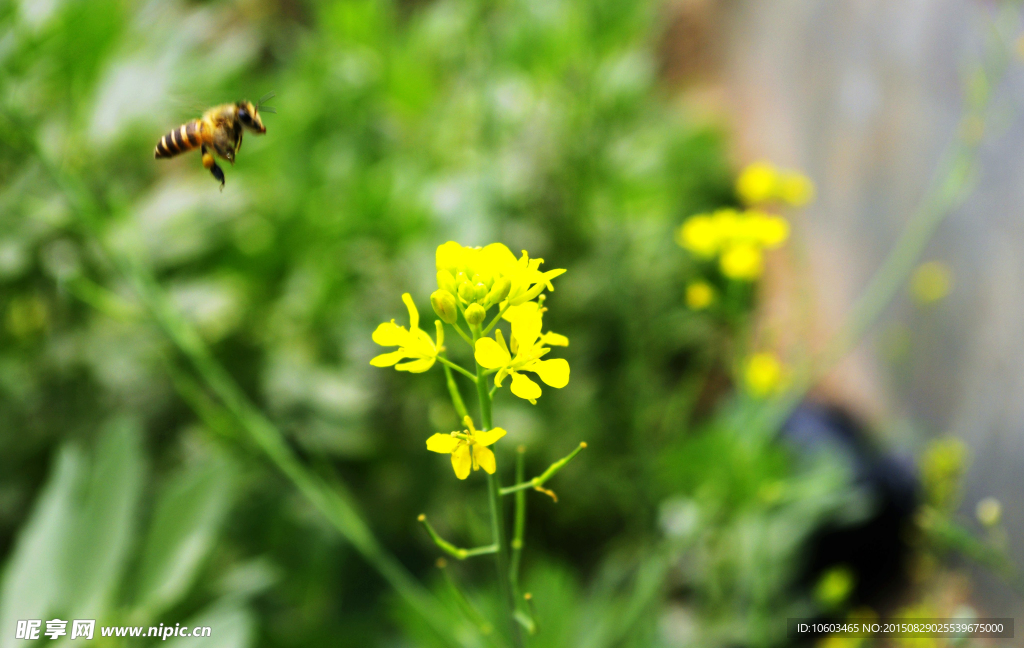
(265, 98)
(186, 107)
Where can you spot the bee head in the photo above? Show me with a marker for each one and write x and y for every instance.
(249, 115)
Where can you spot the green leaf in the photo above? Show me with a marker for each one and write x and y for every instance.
(185, 523)
(32, 578)
(102, 532)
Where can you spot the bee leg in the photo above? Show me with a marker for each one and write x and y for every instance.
(211, 164)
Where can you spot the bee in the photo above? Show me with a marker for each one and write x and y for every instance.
(218, 131)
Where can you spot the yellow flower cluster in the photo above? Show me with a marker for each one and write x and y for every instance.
(479, 278)
(472, 281)
(738, 239)
(762, 183)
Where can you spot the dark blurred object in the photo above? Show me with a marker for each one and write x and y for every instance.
(875, 550)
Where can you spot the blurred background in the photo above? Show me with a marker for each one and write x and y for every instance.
(586, 132)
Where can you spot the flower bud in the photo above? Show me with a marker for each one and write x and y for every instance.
(498, 292)
(444, 305)
(445, 281)
(475, 314)
(466, 292)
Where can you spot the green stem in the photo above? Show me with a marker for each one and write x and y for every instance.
(452, 550)
(463, 602)
(448, 363)
(485, 399)
(546, 475)
(494, 321)
(519, 526)
(453, 391)
(497, 519)
(462, 334)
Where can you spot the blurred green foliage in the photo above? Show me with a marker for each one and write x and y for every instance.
(538, 123)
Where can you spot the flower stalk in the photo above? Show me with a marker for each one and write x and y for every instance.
(472, 281)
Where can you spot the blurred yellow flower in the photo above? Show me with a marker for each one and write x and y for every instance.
(756, 183)
(989, 511)
(527, 347)
(795, 189)
(743, 262)
(468, 448)
(413, 344)
(766, 230)
(931, 282)
(738, 237)
(699, 234)
(763, 374)
(699, 295)
(762, 182)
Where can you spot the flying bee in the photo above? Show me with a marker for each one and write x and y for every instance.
(218, 131)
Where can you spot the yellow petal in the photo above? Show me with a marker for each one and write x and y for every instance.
(449, 257)
(490, 355)
(414, 315)
(442, 443)
(420, 344)
(500, 337)
(500, 376)
(525, 388)
(553, 372)
(499, 257)
(526, 328)
(461, 461)
(513, 313)
(390, 334)
(388, 359)
(485, 459)
(416, 366)
(489, 437)
(555, 339)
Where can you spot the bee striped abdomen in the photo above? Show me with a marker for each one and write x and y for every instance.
(184, 138)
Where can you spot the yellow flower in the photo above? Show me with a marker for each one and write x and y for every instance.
(757, 183)
(468, 448)
(795, 189)
(699, 295)
(491, 274)
(699, 235)
(766, 230)
(743, 262)
(931, 282)
(527, 347)
(413, 344)
(763, 374)
(761, 182)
